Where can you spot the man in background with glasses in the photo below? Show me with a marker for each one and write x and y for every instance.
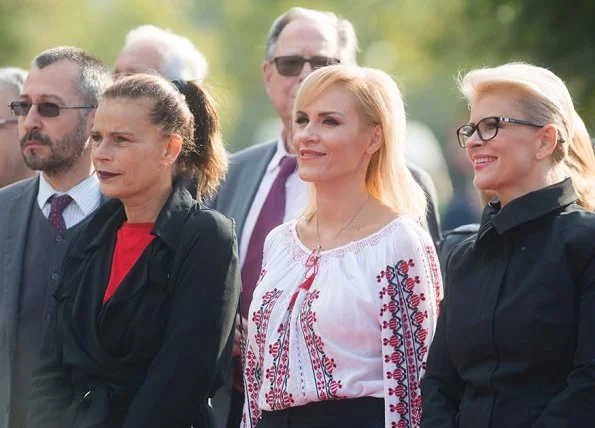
(263, 189)
(39, 216)
(12, 165)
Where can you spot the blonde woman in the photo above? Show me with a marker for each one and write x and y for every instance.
(514, 343)
(345, 309)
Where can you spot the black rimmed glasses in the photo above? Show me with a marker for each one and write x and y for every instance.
(4, 122)
(292, 65)
(21, 108)
(487, 128)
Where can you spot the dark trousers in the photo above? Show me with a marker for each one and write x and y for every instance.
(365, 412)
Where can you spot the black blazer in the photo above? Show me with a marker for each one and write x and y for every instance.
(148, 357)
(514, 344)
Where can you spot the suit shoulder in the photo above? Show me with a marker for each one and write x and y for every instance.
(15, 189)
(210, 222)
(577, 215)
(578, 224)
(252, 152)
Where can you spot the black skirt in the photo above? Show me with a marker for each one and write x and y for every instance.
(365, 412)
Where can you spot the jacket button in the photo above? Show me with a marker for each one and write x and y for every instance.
(55, 276)
(59, 238)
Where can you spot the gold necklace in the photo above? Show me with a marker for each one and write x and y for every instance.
(319, 247)
(312, 261)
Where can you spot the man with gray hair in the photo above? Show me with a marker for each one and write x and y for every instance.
(40, 215)
(12, 165)
(150, 48)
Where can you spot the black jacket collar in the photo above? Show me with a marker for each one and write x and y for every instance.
(526, 208)
(111, 215)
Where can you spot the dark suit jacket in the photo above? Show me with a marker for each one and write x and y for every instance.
(148, 357)
(514, 343)
(16, 204)
(247, 167)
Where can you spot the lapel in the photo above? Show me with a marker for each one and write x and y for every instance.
(155, 262)
(244, 184)
(14, 235)
(88, 265)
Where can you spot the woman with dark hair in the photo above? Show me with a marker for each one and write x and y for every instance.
(151, 282)
(514, 342)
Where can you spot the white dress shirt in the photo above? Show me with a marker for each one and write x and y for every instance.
(295, 202)
(86, 198)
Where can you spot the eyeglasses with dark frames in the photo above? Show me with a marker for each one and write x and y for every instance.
(292, 65)
(21, 108)
(487, 128)
(4, 122)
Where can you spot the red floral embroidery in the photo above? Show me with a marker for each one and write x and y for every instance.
(253, 364)
(278, 373)
(435, 275)
(322, 365)
(404, 341)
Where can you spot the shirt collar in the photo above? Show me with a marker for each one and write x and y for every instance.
(179, 206)
(111, 215)
(280, 153)
(85, 194)
(526, 208)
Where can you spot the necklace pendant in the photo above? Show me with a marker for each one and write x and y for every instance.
(316, 253)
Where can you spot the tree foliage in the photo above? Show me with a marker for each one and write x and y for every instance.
(424, 44)
(556, 34)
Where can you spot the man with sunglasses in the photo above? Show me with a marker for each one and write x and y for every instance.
(12, 165)
(39, 216)
(263, 189)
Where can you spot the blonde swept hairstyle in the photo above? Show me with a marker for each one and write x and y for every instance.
(581, 164)
(542, 95)
(379, 101)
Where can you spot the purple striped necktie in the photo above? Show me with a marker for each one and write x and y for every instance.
(57, 206)
(270, 216)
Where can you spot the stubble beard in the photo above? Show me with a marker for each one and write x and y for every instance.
(64, 153)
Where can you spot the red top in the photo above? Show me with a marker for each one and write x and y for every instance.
(131, 241)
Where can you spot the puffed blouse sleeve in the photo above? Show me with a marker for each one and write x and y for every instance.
(410, 290)
(251, 412)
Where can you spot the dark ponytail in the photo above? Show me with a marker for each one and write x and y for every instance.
(205, 155)
(185, 109)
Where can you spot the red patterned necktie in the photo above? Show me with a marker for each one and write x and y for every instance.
(270, 216)
(57, 206)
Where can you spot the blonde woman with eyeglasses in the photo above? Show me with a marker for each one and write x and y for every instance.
(514, 343)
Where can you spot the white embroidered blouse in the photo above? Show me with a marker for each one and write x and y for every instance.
(363, 328)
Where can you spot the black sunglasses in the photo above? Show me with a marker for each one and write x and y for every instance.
(4, 122)
(292, 65)
(487, 128)
(21, 108)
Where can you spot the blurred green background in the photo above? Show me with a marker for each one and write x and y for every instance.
(424, 44)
